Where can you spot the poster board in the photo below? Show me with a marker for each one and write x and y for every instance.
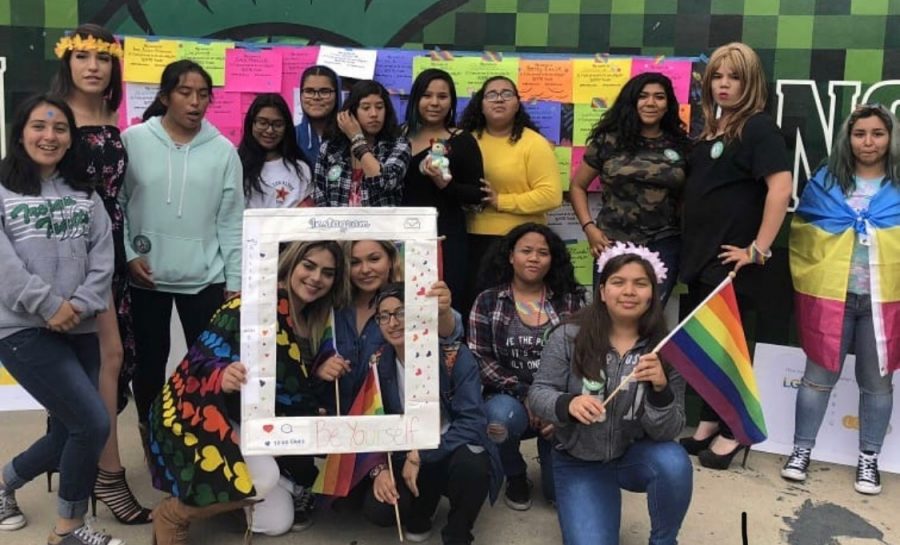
(419, 427)
(779, 370)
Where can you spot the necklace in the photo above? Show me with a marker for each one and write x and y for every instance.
(526, 309)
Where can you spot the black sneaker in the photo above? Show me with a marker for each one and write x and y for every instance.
(797, 464)
(304, 503)
(11, 517)
(518, 493)
(868, 480)
(84, 535)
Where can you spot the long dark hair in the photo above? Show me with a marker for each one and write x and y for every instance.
(561, 276)
(623, 121)
(842, 163)
(595, 324)
(171, 78)
(473, 118)
(18, 171)
(63, 85)
(413, 118)
(360, 90)
(331, 128)
(253, 155)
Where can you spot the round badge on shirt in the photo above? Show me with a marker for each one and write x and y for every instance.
(716, 151)
(334, 173)
(671, 155)
(141, 244)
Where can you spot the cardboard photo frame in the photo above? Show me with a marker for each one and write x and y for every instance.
(419, 427)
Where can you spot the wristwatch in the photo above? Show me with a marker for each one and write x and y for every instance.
(376, 470)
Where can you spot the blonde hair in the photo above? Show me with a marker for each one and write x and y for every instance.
(745, 62)
(316, 313)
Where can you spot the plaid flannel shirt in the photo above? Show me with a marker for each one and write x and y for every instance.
(493, 311)
(386, 189)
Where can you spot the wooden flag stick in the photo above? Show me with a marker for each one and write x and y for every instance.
(337, 397)
(396, 505)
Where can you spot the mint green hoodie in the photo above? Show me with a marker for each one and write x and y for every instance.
(183, 207)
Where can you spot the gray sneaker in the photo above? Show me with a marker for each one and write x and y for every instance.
(84, 535)
(11, 517)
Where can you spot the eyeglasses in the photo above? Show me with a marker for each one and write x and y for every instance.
(324, 92)
(498, 96)
(262, 124)
(384, 318)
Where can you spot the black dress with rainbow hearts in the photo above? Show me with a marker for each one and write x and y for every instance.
(195, 448)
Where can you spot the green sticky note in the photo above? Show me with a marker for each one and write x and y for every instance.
(583, 262)
(564, 161)
(586, 116)
(211, 56)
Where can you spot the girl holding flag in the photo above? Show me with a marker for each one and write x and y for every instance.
(845, 262)
(193, 422)
(627, 441)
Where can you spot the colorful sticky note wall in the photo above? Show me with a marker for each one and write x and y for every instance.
(469, 73)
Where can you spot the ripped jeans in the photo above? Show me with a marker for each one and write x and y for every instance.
(510, 414)
(876, 398)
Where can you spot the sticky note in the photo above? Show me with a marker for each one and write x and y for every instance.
(253, 70)
(294, 60)
(582, 261)
(138, 96)
(546, 115)
(599, 79)
(586, 116)
(211, 56)
(225, 110)
(679, 71)
(146, 59)
(564, 161)
(349, 62)
(577, 159)
(469, 73)
(393, 69)
(545, 80)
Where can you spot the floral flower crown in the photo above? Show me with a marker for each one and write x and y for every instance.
(626, 248)
(90, 43)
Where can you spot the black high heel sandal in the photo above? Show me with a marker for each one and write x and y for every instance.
(696, 446)
(712, 460)
(112, 489)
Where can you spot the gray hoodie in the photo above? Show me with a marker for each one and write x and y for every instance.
(53, 247)
(636, 412)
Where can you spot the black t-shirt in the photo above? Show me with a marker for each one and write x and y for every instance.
(724, 197)
(464, 189)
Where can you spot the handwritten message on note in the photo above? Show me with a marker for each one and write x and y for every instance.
(679, 71)
(145, 59)
(210, 56)
(586, 116)
(138, 96)
(598, 78)
(545, 80)
(394, 70)
(225, 113)
(349, 63)
(564, 161)
(582, 261)
(546, 116)
(253, 71)
(293, 62)
(469, 73)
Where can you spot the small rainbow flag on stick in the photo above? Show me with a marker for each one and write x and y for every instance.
(709, 350)
(343, 471)
(327, 345)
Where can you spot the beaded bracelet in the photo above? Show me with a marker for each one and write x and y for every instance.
(359, 150)
(585, 224)
(757, 256)
(358, 137)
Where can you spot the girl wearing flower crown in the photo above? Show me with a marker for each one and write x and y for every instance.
(606, 442)
(735, 198)
(90, 81)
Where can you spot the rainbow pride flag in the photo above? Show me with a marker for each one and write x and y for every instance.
(823, 234)
(327, 343)
(343, 471)
(709, 350)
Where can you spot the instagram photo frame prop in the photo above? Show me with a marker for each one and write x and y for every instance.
(262, 432)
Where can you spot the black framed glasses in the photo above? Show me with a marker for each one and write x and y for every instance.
(263, 124)
(384, 318)
(324, 92)
(499, 96)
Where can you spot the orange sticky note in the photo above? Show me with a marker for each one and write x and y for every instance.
(545, 80)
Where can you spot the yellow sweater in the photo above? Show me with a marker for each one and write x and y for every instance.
(525, 176)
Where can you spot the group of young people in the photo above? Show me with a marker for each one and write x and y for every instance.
(102, 232)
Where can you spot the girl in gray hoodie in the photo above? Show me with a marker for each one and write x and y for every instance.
(628, 441)
(56, 261)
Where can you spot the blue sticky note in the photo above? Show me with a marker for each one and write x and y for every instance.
(399, 102)
(461, 103)
(546, 115)
(393, 69)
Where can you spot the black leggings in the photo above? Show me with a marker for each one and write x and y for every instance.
(151, 315)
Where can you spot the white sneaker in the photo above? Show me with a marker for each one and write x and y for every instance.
(868, 480)
(85, 535)
(11, 517)
(797, 464)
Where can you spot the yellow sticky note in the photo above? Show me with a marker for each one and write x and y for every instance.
(469, 73)
(211, 56)
(586, 116)
(598, 79)
(582, 261)
(146, 59)
(564, 161)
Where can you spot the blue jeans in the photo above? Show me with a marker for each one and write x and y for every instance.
(589, 497)
(61, 372)
(510, 414)
(669, 250)
(876, 399)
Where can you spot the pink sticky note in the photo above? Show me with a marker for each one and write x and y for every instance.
(225, 109)
(577, 159)
(293, 62)
(246, 101)
(679, 71)
(123, 111)
(232, 133)
(258, 71)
